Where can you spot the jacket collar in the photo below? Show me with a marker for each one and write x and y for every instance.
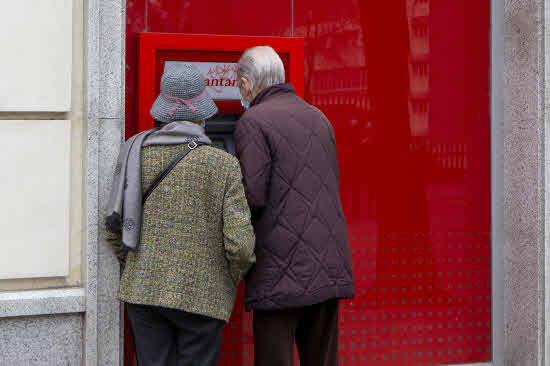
(272, 91)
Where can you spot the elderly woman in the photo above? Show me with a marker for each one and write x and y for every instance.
(179, 220)
(289, 161)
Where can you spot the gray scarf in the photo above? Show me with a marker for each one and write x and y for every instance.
(124, 209)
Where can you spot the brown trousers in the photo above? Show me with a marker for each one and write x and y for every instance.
(314, 330)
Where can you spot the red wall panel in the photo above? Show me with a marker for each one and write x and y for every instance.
(135, 23)
(406, 85)
(242, 17)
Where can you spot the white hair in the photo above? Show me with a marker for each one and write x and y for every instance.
(262, 67)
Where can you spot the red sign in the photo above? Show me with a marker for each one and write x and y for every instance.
(220, 78)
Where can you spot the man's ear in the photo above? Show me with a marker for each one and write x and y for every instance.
(246, 85)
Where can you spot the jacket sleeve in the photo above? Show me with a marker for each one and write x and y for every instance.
(255, 159)
(238, 234)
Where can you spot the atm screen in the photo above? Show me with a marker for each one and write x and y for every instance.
(220, 129)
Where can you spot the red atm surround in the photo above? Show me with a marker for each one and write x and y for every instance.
(157, 48)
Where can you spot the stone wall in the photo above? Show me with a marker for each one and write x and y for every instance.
(524, 183)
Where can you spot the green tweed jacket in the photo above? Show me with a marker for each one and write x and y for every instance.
(197, 241)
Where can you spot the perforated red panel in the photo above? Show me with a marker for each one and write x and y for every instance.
(422, 300)
(406, 85)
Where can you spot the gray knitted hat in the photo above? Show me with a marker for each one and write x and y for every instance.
(183, 96)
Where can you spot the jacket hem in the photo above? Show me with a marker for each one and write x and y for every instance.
(176, 306)
(318, 296)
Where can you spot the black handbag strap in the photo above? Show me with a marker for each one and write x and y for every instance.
(191, 146)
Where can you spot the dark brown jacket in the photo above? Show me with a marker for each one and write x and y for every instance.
(289, 161)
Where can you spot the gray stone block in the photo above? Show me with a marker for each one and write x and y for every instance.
(93, 72)
(110, 140)
(26, 303)
(112, 41)
(105, 40)
(111, 131)
(41, 340)
(523, 217)
(92, 221)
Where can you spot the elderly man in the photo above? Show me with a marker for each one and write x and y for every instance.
(289, 162)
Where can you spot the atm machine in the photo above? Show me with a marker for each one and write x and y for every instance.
(216, 56)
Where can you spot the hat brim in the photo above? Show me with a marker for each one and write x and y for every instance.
(204, 109)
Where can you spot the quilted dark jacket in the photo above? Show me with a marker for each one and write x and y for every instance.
(288, 157)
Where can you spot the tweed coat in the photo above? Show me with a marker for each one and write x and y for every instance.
(197, 241)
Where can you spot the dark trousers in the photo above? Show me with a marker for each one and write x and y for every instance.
(168, 337)
(314, 329)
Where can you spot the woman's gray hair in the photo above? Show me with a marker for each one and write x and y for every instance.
(262, 67)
